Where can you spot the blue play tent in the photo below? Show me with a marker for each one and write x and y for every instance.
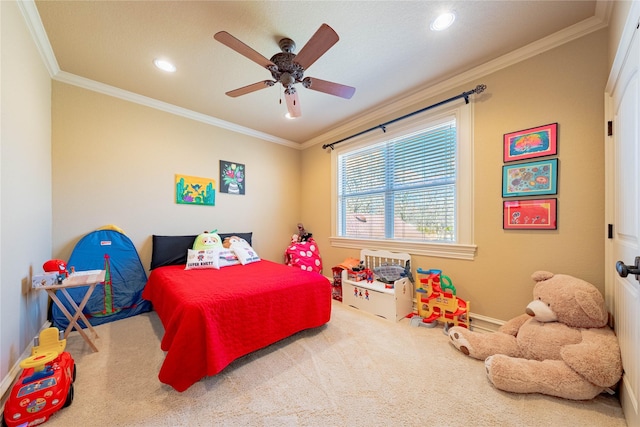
(120, 294)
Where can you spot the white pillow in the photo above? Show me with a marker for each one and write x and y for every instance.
(245, 253)
(211, 258)
(224, 258)
(200, 259)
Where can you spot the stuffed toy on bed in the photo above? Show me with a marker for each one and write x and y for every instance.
(234, 241)
(561, 347)
(207, 240)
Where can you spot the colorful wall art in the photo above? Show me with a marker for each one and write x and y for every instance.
(233, 178)
(530, 179)
(537, 214)
(529, 143)
(193, 190)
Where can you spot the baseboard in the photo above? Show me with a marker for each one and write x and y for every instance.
(15, 370)
(480, 323)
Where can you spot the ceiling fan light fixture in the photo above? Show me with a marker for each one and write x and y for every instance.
(287, 80)
(164, 65)
(288, 116)
(443, 21)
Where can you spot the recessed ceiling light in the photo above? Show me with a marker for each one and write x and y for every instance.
(164, 65)
(443, 21)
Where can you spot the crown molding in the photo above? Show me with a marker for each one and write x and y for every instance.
(75, 80)
(595, 23)
(34, 23)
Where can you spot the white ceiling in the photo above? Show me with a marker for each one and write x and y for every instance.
(386, 51)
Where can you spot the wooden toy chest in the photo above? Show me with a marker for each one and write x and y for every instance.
(392, 303)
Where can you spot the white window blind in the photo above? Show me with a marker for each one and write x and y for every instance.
(403, 188)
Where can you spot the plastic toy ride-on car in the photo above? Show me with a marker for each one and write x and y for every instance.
(45, 385)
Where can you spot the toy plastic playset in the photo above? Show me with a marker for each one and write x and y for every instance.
(45, 385)
(436, 300)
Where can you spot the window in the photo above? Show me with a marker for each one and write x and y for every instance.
(408, 188)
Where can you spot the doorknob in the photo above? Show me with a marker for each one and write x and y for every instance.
(624, 270)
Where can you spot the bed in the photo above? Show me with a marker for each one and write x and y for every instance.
(212, 317)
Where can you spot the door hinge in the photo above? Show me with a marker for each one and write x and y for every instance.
(609, 128)
(610, 231)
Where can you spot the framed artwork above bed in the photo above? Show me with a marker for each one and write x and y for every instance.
(233, 178)
(193, 190)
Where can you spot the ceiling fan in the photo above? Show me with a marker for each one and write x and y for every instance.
(288, 69)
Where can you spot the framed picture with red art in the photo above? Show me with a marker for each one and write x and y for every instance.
(535, 214)
(530, 143)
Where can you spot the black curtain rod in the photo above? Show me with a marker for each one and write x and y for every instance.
(465, 95)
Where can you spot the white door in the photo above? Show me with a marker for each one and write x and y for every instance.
(623, 213)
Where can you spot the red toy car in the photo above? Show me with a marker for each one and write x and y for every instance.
(45, 385)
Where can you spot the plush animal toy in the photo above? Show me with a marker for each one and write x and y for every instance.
(207, 240)
(230, 241)
(562, 346)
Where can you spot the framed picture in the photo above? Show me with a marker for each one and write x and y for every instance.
(233, 178)
(530, 143)
(193, 190)
(530, 179)
(535, 214)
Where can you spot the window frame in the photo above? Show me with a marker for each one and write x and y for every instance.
(463, 248)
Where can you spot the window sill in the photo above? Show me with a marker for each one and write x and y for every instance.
(441, 250)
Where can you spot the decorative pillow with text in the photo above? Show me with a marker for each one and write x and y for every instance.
(245, 254)
(198, 259)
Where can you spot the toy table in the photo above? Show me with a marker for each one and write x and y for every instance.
(79, 278)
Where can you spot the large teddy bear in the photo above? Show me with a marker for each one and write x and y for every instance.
(562, 346)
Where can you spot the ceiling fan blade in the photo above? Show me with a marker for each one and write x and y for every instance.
(329, 87)
(317, 45)
(250, 88)
(293, 104)
(235, 44)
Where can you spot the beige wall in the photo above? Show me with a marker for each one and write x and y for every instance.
(25, 187)
(619, 15)
(114, 163)
(564, 85)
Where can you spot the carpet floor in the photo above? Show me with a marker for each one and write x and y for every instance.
(357, 370)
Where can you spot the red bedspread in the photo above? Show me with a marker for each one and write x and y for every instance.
(212, 317)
